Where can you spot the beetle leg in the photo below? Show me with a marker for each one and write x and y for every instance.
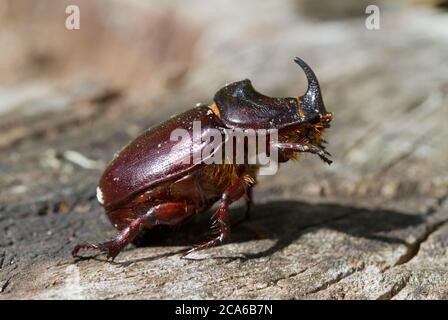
(249, 201)
(167, 213)
(220, 227)
(305, 147)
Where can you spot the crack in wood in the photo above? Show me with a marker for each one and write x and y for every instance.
(275, 282)
(2, 259)
(414, 248)
(395, 289)
(339, 278)
(5, 285)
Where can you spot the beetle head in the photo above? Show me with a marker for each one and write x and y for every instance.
(239, 105)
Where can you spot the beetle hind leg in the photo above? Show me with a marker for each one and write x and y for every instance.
(167, 213)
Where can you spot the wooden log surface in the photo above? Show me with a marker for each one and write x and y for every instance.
(374, 225)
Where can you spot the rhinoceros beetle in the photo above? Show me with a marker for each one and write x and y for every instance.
(146, 185)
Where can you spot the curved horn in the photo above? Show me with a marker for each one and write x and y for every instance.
(312, 80)
(312, 99)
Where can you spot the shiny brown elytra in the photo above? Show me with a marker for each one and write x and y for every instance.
(146, 184)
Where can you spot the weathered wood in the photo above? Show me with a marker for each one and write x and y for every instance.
(372, 226)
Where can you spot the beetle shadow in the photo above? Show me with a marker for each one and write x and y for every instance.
(287, 221)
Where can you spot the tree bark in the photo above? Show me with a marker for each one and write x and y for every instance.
(374, 225)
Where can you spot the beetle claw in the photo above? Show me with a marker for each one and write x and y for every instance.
(325, 158)
(211, 243)
(323, 155)
(186, 252)
(84, 246)
(111, 248)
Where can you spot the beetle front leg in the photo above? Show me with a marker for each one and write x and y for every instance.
(221, 227)
(168, 213)
(305, 147)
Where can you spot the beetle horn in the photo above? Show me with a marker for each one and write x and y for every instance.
(312, 99)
